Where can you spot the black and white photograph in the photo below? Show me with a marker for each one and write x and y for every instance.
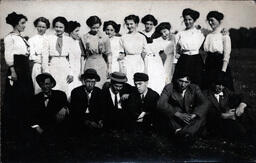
(128, 81)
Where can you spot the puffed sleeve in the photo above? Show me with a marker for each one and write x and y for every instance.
(8, 54)
(145, 48)
(45, 55)
(107, 46)
(32, 49)
(108, 52)
(70, 55)
(201, 38)
(121, 46)
(226, 51)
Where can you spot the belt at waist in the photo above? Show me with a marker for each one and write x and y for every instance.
(214, 53)
(58, 57)
(194, 52)
(151, 55)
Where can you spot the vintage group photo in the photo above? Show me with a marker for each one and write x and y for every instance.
(128, 81)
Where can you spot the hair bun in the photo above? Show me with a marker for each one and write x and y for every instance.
(11, 18)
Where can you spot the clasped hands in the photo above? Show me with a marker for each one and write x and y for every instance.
(232, 113)
(186, 118)
(92, 124)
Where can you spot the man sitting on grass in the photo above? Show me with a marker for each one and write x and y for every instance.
(185, 107)
(142, 103)
(48, 110)
(229, 115)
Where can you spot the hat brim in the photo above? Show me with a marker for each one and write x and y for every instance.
(118, 80)
(42, 77)
(90, 76)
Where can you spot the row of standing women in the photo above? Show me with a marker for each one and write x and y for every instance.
(151, 51)
(154, 52)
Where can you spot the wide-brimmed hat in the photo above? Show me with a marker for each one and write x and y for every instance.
(90, 74)
(118, 77)
(220, 78)
(41, 77)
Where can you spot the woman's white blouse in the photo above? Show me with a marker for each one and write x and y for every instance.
(160, 44)
(36, 47)
(217, 42)
(190, 41)
(133, 44)
(14, 44)
(49, 50)
(148, 34)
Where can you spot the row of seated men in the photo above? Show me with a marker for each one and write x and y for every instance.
(182, 109)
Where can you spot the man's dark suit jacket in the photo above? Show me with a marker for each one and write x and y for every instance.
(79, 104)
(228, 101)
(115, 118)
(43, 116)
(228, 127)
(194, 102)
(136, 106)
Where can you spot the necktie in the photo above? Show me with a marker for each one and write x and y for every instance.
(142, 98)
(59, 45)
(116, 102)
(88, 102)
(46, 100)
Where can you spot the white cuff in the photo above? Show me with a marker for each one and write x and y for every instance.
(34, 126)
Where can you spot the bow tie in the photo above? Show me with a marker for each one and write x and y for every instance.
(219, 94)
(46, 96)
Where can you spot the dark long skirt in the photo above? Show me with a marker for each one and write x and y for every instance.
(213, 65)
(17, 99)
(191, 65)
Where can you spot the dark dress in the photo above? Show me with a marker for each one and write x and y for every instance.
(218, 48)
(190, 61)
(18, 93)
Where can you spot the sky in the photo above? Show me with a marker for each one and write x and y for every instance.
(237, 13)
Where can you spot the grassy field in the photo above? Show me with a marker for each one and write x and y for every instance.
(154, 148)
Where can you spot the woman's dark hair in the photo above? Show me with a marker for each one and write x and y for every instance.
(72, 25)
(149, 18)
(42, 19)
(93, 20)
(215, 14)
(163, 25)
(193, 13)
(114, 24)
(14, 18)
(135, 18)
(61, 19)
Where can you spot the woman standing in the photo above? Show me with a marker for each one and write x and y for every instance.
(165, 47)
(133, 48)
(111, 29)
(98, 50)
(189, 42)
(218, 48)
(36, 45)
(58, 56)
(73, 31)
(19, 85)
(150, 22)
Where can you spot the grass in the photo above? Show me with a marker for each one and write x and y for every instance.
(138, 147)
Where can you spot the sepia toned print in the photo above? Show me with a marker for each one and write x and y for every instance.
(128, 81)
